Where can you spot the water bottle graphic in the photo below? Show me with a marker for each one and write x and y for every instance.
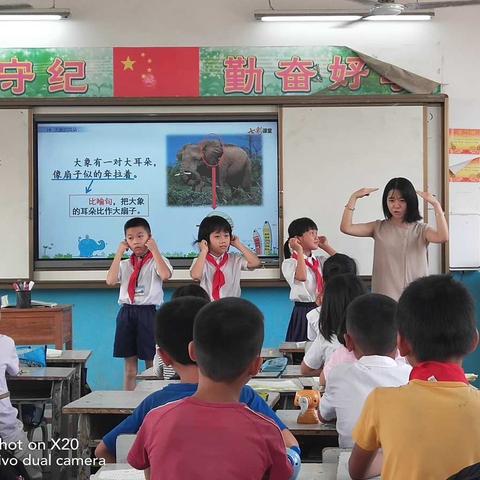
(257, 241)
(267, 238)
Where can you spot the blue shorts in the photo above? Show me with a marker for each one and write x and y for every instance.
(135, 333)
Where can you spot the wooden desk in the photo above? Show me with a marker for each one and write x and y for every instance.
(147, 374)
(318, 471)
(287, 394)
(309, 471)
(289, 418)
(342, 471)
(99, 412)
(38, 325)
(153, 385)
(292, 347)
(76, 359)
(270, 353)
(281, 385)
(291, 371)
(46, 385)
(294, 351)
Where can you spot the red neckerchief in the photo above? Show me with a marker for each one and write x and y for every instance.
(438, 371)
(314, 266)
(137, 264)
(218, 276)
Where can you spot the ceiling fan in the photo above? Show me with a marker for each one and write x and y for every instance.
(14, 6)
(391, 7)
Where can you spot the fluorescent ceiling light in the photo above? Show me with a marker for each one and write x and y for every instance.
(404, 17)
(25, 14)
(312, 18)
(304, 16)
(334, 16)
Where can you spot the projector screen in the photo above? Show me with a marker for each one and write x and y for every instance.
(92, 176)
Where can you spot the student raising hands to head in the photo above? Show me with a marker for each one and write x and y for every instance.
(217, 269)
(302, 269)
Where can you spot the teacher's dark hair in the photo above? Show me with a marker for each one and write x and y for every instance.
(407, 191)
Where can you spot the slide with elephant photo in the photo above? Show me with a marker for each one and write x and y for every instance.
(93, 176)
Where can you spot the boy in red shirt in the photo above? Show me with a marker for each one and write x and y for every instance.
(211, 434)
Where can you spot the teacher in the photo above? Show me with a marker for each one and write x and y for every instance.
(401, 240)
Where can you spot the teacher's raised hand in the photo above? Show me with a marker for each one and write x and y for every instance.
(363, 192)
(428, 197)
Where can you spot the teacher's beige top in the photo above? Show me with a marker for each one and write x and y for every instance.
(399, 257)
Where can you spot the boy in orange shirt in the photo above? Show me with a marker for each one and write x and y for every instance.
(429, 428)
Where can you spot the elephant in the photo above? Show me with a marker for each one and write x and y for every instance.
(87, 246)
(234, 166)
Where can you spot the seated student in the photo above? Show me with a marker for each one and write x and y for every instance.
(189, 290)
(429, 428)
(372, 337)
(335, 265)
(339, 292)
(211, 434)
(173, 347)
(11, 428)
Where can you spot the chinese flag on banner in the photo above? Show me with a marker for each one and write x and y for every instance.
(156, 72)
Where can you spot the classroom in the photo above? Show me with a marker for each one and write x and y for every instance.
(404, 107)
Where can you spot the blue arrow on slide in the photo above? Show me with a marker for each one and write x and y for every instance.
(88, 189)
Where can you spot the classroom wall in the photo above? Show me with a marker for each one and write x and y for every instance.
(94, 313)
(436, 50)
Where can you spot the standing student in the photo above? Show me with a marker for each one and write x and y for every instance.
(302, 269)
(429, 428)
(217, 269)
(401, 240)
(211, 434)
(141, 280)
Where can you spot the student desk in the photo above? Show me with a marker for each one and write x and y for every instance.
(46, 385)
(342, 467)
(154, 385)
(285, 387)
(312, 438)
(151, 386)
(289, 418)
(292, 347)
(270, 353)
(309, 471)
(147, 374)
(38, 325)
(293, 350)
(76, 359)
(291, 371)
(99, 412)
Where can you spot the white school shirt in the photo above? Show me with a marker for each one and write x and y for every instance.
(349, 385)
(302, 291)
(320, 351)
(8, 364)
(232, 270)
(313, 329)
(149, 289)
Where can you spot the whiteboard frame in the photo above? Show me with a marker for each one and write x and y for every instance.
(262, 277)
